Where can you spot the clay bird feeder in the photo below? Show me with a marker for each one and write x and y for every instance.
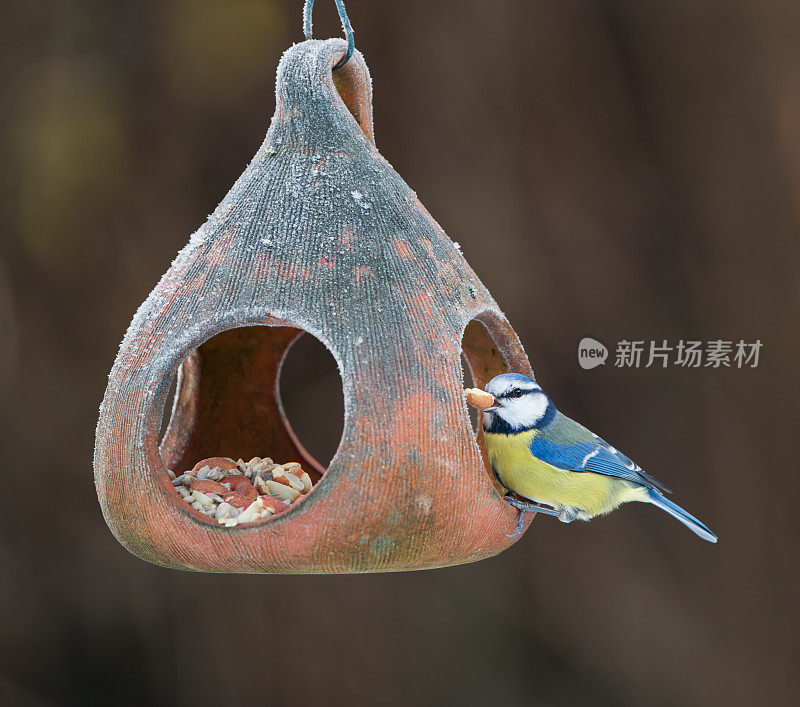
(321, 237)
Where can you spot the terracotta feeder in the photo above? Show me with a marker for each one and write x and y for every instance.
(319, 235)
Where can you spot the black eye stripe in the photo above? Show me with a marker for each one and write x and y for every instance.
(517, 392)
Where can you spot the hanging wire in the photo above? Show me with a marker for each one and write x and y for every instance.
(308, 8)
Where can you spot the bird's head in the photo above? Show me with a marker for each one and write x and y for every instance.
(519, 404)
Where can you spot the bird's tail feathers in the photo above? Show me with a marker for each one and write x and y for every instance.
(677, 512)
(654, 482)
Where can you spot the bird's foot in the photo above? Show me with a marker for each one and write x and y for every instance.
(523, 507)
(567, 514)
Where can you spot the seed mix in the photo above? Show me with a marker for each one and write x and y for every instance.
(241, 492)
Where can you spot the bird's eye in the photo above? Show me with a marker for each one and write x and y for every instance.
(516, 393)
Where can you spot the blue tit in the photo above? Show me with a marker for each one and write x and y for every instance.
(558, 466)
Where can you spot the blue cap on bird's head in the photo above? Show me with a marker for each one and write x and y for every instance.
(519, 404)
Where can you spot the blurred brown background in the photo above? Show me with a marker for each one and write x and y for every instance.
(611, 169)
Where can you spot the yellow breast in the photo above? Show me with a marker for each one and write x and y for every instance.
(521, 472)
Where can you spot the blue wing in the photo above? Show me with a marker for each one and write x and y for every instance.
(567, 445)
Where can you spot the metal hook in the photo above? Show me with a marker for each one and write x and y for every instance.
(308, 8)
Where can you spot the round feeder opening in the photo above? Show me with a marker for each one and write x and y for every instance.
(232, 455)
(310, 389)
(489, 347)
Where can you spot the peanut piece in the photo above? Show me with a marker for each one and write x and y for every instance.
(201, 498)
(289, 480)
(251, 513)
(479, 398)
(208, 487)
(306, 479)
(272, 503)
(215, 463)
(283, 492)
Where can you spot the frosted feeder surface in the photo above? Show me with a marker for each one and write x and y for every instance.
(319, 235)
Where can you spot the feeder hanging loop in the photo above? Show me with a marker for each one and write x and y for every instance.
(308, 9)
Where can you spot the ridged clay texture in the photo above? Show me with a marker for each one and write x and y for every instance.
(318, 235)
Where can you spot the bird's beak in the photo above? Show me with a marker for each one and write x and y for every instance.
(492, 409)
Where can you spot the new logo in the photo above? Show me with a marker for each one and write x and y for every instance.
(591, 353)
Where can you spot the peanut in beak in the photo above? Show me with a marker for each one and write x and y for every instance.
(479, 398)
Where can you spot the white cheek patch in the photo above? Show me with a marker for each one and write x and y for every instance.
(524, 412)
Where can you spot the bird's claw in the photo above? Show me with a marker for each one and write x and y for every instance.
(520, 524)
(523, 507)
